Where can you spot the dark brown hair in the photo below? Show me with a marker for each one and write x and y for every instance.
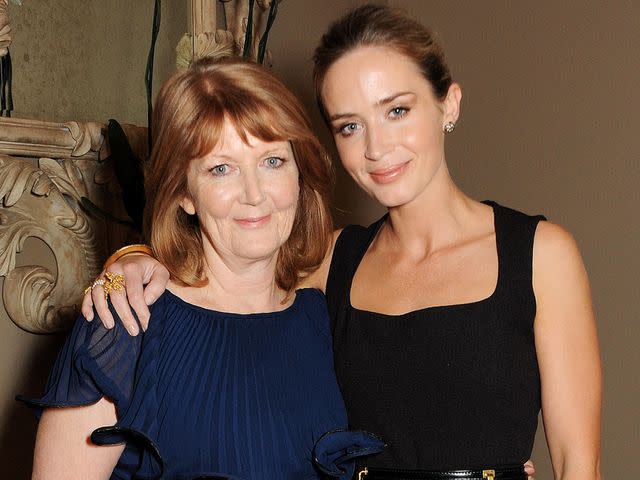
(190, 111)
(378, 25)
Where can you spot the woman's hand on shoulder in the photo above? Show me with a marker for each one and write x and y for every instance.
(138, 270)
(318, 278)
(568, 354)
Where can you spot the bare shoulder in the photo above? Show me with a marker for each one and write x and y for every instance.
(559, 274)
(318, 278)
(554, 247)
(566, 342)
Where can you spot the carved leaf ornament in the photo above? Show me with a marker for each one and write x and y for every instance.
(42, 202)
(248, 23)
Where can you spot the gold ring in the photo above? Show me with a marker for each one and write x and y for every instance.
(114, 282)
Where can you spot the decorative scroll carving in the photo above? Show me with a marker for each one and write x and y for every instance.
(87, 137)
(206, 40)
(36, 206)
(43, 201)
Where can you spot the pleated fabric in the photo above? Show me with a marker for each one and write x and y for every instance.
(206, 393)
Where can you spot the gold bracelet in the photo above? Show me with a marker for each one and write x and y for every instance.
(126, 250)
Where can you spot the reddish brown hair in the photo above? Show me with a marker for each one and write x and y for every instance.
(189, 114)
(378, 25)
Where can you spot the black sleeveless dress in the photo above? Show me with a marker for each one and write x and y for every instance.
(446, 387)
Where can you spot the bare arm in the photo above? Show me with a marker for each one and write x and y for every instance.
(138, 270)
(63, 448)
(568, 355)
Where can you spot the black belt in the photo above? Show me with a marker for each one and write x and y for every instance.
(504, 473)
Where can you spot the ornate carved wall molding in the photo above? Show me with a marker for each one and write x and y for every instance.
(45, 169)
(34, 138)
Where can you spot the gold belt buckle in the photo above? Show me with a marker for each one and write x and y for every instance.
(362, 473)
(489, 474)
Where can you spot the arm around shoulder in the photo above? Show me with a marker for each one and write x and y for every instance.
(138, 270)
(568, 355)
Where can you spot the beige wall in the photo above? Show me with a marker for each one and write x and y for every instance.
(85, 60)
(549, 120)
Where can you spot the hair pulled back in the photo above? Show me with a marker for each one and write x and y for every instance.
(379, 25)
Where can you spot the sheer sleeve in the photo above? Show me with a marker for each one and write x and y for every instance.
(94, 362)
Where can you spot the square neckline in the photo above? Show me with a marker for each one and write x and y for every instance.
(430, 308)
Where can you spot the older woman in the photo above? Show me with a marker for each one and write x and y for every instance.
(234, 379)
(454, 321)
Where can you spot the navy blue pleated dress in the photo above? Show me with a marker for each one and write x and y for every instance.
(220, 395)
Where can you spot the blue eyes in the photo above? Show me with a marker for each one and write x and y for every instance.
(225, 169)
(220, 170)
(348, 129)
(398, 112)
(274, 162)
